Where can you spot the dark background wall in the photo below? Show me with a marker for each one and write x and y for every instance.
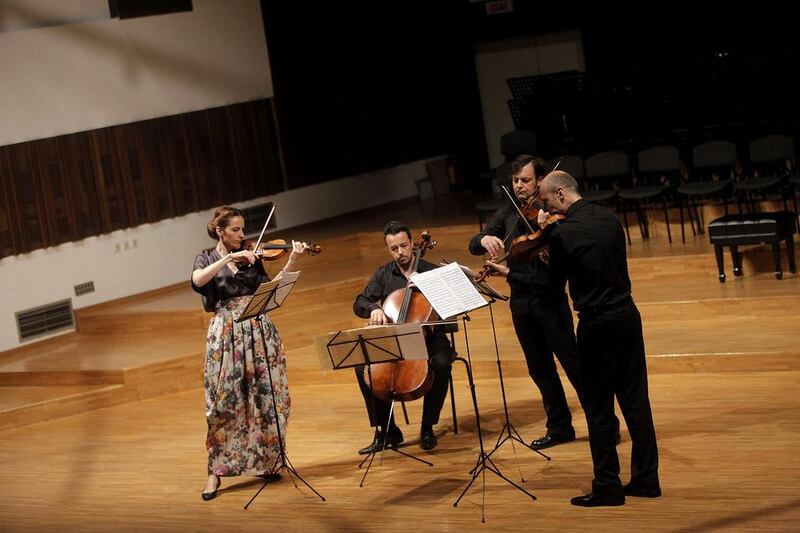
(677, 74)
(360, 87)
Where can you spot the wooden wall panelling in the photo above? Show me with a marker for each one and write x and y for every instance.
(178, 164)
(230, 189)
(49, 169)
(262, 124)
(79, 175)
(204, 165)
(155, 190)
(113, 207)
(258, 163)
(241, 145)
(273, 142)
(132, 174)
(89, 183)
(9, 230)
(28, 200)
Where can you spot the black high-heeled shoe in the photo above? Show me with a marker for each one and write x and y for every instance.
(208, 496)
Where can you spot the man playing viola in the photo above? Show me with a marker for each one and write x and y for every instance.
(539, 308)
(392, 276)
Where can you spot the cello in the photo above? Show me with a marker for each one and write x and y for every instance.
(404, 380)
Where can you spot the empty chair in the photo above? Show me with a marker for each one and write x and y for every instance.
(794, 184)
(571, 164)
(710, 177)
(659, 172)
(605, 172)
(771, 163)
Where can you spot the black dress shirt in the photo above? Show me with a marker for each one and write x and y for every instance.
(383, 282)
(524, 279)
(588, 248)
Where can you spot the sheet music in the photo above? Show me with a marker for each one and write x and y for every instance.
(392, 342)
(483, 286)
(449, 290)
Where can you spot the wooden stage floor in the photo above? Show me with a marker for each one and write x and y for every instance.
(103, 429)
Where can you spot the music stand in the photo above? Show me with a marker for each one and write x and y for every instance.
(484, 462)
(369, 345)
(508, 432)
(269, 296)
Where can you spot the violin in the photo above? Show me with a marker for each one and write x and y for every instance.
(277, 248)
(404, 380)
(526, 247)
(271, 250)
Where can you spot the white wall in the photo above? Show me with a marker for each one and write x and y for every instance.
(78, 76)
(498, 61)
(164, 251)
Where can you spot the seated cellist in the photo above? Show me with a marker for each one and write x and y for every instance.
(387, 279)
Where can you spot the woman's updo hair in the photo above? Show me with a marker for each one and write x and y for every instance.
(222, 217)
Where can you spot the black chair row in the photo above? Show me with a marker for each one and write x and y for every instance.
(660, 176)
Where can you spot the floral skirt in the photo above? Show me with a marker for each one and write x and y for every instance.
(242, 433)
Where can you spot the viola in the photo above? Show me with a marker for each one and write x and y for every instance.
(526, 247)
(404, 380)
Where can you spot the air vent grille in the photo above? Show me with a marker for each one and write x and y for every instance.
(84, 288)
(46, 319)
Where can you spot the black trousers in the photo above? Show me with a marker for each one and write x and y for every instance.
(440, 352)
(544, 327)
(611, 362)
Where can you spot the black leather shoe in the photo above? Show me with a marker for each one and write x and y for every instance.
(394, 438)
(208, 496)
(598, 500)
(271, 477)
(642, 492)
(550, 440)
(427, 439)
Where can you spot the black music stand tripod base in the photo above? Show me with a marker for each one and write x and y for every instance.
(508, 432)
(484, 462)
(282, 458)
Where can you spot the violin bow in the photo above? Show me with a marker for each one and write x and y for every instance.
(519, 211)
(269, 217)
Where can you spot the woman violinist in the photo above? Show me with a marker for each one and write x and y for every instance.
(539, 309)
(386, 280)
(242, 436)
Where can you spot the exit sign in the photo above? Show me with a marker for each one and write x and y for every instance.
(499, 6)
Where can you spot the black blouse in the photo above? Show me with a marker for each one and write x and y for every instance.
(225, 284)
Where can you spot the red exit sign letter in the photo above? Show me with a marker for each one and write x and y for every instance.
(499, 6)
